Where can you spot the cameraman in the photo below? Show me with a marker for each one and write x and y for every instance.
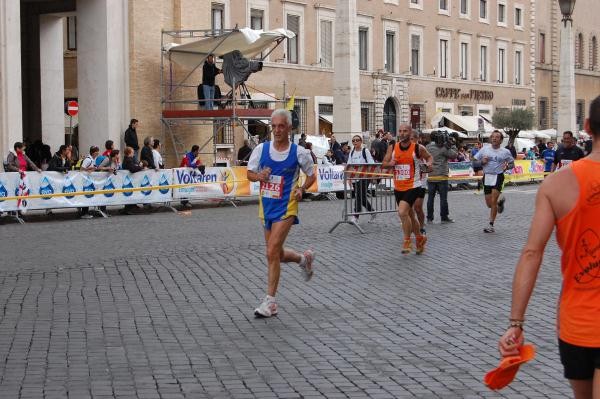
(441, 148)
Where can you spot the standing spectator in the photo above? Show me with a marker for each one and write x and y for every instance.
(89, 165)
(302, 141)
(530, 154)
(441, 151)
(360, 155)
(541, 146)
(146, 154)
(462, 156)
(244, 154)
(567, 153)
(18, 161)
(376, 147)
(308, 146)
(130, 164)
(513, 150)
(60, 161)
(131, 138)
(191, 160)
(157, 158)
(477, 165)
(209, 72)
(548, 157)
(336, 149)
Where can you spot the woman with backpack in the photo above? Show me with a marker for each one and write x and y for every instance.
(360, 155)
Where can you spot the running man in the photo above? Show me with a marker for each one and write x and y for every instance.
(276, 165)
(495, 161)
(422, 173)
(405, 158)
(569, 200)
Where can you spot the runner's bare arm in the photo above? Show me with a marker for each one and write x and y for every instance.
(309, 181)
(259, 176)
(527, 269)
(388, 162)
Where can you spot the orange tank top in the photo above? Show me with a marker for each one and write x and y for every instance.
(578, 235)
(404, 170)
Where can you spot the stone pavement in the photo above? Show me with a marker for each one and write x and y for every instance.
(161, 306)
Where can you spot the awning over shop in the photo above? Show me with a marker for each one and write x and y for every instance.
(248, 41)
(467, 124)
(327, 119)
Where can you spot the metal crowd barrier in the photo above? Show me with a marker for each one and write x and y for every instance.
(368, 191)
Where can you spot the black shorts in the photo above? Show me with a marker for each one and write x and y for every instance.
(498, 186)
(408, 196)
(421, 191)
(579, 362)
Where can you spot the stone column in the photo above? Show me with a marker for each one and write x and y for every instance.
(52, 80)
(102, 72)
(566, 92)
(346, 90)
(11, 103)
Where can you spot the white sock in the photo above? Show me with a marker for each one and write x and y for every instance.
(302, 262)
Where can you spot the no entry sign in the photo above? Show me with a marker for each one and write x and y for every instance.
(72, 108)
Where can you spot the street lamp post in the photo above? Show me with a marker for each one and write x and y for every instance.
(566, 91)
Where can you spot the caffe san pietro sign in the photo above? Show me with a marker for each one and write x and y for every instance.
(459, 94)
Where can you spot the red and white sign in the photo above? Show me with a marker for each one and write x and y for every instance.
(72, 108)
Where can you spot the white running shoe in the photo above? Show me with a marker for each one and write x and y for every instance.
(354, 219)
(267, 308)
(307, 269)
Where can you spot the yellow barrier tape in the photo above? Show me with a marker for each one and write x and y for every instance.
(520, 176)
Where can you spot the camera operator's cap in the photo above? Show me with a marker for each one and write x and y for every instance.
(506, 371)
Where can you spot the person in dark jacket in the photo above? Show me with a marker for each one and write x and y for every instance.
(244, 154)
(146, 154)
(209, 72)
(131, 138)
(60, 161)
(130, 164)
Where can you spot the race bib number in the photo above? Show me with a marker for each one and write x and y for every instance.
(273, 188)
(490, 180)
(402, 172)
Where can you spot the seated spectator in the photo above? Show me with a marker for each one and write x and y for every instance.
(18, 161)
(158, 161)
(131, 165)
(109, 145)
(112, 162)
(60, 161)
(328, 159)
(146, 154)
(192, 158)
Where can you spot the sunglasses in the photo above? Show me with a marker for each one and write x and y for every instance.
(356, 140)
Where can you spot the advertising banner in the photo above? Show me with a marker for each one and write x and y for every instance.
(526, 170)
(49, 183)
(211, 182)
(460, 169)
(329, 178)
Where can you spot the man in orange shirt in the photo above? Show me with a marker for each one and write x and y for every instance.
(405, 157)
(570, 200)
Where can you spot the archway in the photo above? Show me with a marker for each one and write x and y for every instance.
(389, 116)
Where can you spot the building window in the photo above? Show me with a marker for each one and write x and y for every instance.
(443, 58)
(367, 116)
(543, 113)
(580, 113)
(518, 17)
(542, 45)
(72, 33)
(363, 36)
(518, 68)
(483, 73)
(501, 63)
(464, 60)
(579, 51)
(293, 24)
(415, 54)
(416, 4)
(464, 7)
(483, 12)
(443, 5)
(218, 18)
(594, 54)
(256, 19)
(502, 13)
(326, 44)
(390, 45)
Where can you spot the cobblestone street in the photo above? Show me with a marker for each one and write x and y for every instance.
(161, 306)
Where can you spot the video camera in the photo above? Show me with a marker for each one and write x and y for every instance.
(444, 139)
(237, 69)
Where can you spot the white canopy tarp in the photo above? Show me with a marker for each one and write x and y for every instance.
(447, 130)
(467, 123)
(320, 144)
(248, 41)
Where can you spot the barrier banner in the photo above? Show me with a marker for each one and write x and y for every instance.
(218, 182)
(54, 183)
(460, 169)
(329, 178)
(526, 170)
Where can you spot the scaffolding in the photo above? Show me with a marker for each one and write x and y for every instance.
(236, 109)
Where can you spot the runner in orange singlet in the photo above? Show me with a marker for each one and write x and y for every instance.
(405, 159)
(569, 200)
